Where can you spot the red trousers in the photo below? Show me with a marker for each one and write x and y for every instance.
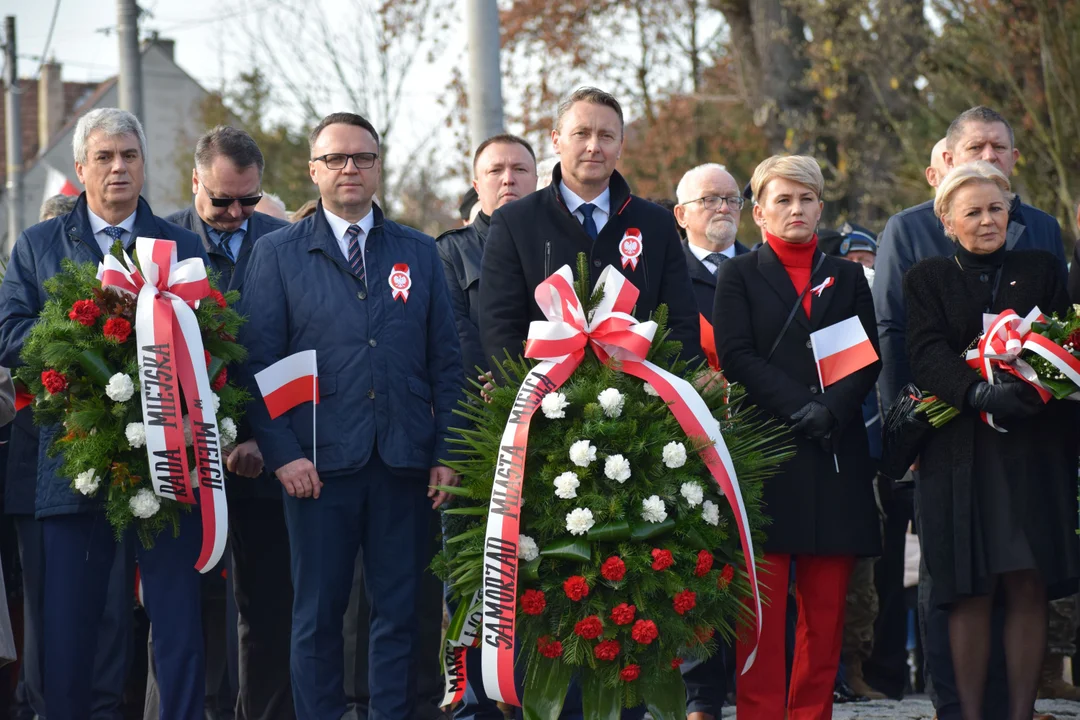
(820, 590)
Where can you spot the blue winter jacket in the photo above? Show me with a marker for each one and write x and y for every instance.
(389, 369)
(36, 258)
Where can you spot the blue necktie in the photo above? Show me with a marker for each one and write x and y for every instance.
(716, 259)
(114, 232)
(589, 224)
(224, 243)
(356, 258)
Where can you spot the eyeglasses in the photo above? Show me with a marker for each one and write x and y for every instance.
(226, 202)
(338, 161)
(713, 202)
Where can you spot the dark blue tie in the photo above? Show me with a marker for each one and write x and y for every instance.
(356, 257)
(224, 242)
(589, 224)
(716, 259)
(114, 232)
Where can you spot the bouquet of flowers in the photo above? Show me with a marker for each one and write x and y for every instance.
(626, 555)
(82, 365)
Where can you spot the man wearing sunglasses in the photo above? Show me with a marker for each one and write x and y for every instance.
(226, 183)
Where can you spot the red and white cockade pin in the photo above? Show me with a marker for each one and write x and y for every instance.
(818, 289)
(630, 247)
(400, 282)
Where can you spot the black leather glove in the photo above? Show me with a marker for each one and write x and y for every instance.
(813, 420)
(1005, 399)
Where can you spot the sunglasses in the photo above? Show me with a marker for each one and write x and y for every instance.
(226, 202)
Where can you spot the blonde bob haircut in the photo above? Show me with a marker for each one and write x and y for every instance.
(974, 172)
(797, 168)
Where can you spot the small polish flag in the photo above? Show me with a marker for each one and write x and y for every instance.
(289, 382)
(57, 183)
(841, 349)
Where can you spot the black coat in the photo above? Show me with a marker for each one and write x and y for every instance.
(1038, 456)
(533, 237)
(462, 251)
(814, 510)
(704, 282)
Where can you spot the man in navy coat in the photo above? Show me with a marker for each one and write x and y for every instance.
(389, 376)
(110, 156)
(226, 184)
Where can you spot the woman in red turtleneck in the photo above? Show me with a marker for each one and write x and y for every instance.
(821, 502)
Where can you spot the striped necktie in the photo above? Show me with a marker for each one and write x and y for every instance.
(224, 242)
(356, 258)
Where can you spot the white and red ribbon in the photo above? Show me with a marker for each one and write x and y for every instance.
(400, 282)
(630, 248)
(454, 648)
(171, 357)
(827, 283)
(559, 343)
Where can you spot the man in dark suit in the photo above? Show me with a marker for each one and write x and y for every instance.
(226, 185)
(587, 209)
(369, 296)
(110, 153)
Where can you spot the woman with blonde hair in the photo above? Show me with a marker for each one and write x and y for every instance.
(997, 513)
(821, 502)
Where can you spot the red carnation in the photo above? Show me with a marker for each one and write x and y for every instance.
(220, 380)
(549, 648)
(685, 601)
(704, 563)
(206, 354)
(85, 312)
(704, 634)
(590, 628)
(661, 559)
(623, 614)
(117, 329)
(54, 382)
(607, 650)
(218, 298)
(613, 569)
(533, 602)
(726, 576)
(676, 662)
(575, 587)
(630, 673)
(644, 632)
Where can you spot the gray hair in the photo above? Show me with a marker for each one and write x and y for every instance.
(111, 121)
(224, 141)
(276, 202)
(682, 192)
(57, 205)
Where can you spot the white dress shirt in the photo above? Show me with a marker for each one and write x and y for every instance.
(339, 226)
(701, 253)
(602, 202)
(97, 226)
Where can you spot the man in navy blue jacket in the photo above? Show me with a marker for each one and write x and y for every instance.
(912, 235)
(110, 154)
(389, 376)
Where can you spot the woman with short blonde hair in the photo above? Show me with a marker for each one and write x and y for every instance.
(796, 168)
(976, 172)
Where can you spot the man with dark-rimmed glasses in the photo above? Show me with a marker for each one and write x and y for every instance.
(227, 184)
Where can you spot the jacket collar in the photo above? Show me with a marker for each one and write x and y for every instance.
(77, 225)
(698, 271)
(482, 224)
(322, 236)
(620, 190)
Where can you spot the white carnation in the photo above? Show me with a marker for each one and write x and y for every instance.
(136, 434)
(579, 521)
(527, 548)
(693, 493)
(120, 388)
(582, 453)
(215, 401)
(674, 455)
(611, 400)
(566, 485)
(616, 467)
(194, 475)
(144, 504)
(87, 482)
(554, 405)
(652, 510)
(710, 512)
(650, 390)
(188, 437)
(228, 431)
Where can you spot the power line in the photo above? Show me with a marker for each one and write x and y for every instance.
(48, 38)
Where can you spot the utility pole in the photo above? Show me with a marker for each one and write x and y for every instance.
(14, 134)
(127, 29)
(485, 76)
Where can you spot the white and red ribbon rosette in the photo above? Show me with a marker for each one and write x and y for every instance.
(400, 282)
(559, 343)
(630, 248)
(170, 355)
(1007, 335)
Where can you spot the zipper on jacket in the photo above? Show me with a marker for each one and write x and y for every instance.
(547, 259)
